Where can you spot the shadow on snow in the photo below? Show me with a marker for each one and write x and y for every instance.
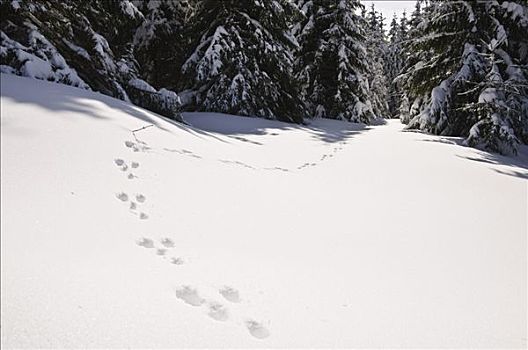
(59, 97)
(241, 128)
(520, 161)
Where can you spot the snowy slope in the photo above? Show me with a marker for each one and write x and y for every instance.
(283, 236)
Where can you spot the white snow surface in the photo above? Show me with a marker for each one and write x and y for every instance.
(244, 232)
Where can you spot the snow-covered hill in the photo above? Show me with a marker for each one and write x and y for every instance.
(241, 232)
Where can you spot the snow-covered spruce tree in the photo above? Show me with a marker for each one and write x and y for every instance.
(331, 61)
(79, 43)
(472, 75)
(394, 62)
(162, 40)
(410, 103)
(241, 62)
(377, 76)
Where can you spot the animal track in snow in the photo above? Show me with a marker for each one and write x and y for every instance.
(167, 243)
(131, 176)
(189, 295)
(121, 164)
(184, 152)
(230, 294)
(133, 206)
(141, 198)
(123, 197)
(143, 216)
(124, 167)
(236, 162)
(278, 168)
(243, 139)
(257, 330)
(161, 251)
(305, 165)
(177, 261)
(137, 147)
(145, 243)
(217, 311)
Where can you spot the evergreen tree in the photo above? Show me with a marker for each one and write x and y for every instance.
(393, 30)
(241, 61)
(377, 77)
(392, 61)
(330, 62)
(471, 73)
(79, 43)
(92, 37)
(161, 40)
(395, 60)
(411, 103)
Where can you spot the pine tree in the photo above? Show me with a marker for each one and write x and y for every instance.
(471, 73)
(161, 41)
(410, 102)
(395, 61)
(330, 63)
(92, 37)
(393, 64)
(377, 77)
(241, 61)
(80, 43)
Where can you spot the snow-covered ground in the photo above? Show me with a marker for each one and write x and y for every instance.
(243, 232)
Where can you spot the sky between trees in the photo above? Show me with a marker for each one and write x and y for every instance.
(388, 8)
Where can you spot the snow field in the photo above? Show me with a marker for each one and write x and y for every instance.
(254, 233)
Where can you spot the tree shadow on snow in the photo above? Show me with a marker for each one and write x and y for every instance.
(63, 98)
(332, 136)
(520, 161)
(242, 128)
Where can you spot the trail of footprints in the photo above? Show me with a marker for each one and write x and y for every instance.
(190, 295)
(324, 156)
(163, 249)
(134, 202)
(140, 146)
(219, 311)
(185, 152)
(166, 246)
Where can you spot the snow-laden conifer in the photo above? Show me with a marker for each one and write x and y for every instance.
(331, 63)
(469, 76)
(241, 60)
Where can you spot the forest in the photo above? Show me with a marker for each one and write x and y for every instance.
(451, 68)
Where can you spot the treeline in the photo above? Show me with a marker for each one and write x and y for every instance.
(455, 68)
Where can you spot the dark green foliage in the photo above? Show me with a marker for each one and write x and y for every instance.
(331, 61)
(467, 72)
(165, 105)
(377, 74)
(162, 41)
(241, 60)
(81, 43)
(394, 62)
